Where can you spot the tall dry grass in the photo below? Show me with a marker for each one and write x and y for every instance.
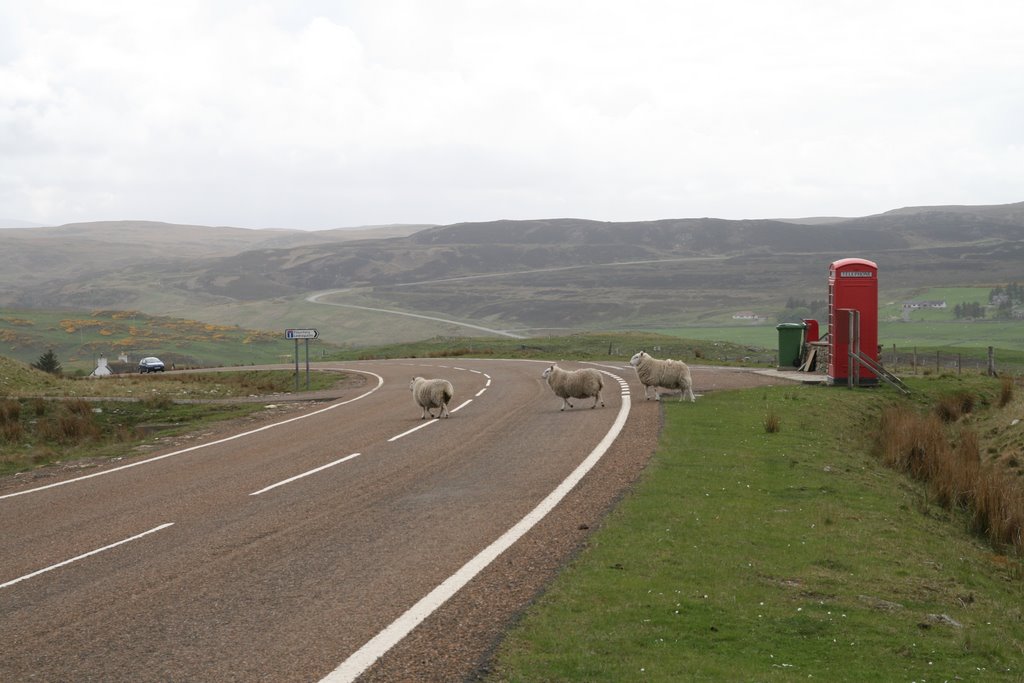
(1006, 387)
(950, 464)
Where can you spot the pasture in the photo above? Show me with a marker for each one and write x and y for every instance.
(795, 555)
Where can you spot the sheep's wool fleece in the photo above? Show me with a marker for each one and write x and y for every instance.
(432, 393)
(583, 383)
(670, 374)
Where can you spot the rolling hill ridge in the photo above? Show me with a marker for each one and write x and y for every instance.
(528, 273)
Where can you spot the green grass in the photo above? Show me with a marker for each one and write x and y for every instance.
(795, 555)
(45, 419)
(617, 346)
(40, 432)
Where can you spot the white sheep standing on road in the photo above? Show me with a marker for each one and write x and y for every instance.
(430, 394)
(582, 383)
(667, 374)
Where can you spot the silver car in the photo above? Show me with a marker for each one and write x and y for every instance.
(151, 364)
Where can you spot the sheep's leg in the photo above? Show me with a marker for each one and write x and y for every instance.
(688, 393)
(565, 402)
(444, 411)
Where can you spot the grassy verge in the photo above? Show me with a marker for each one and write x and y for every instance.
(36, 431)
(583, 346)
(748, 554)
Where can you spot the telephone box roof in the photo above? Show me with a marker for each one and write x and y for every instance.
(853, 262)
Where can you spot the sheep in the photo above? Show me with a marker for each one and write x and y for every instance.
(430, 394)
(668, 374)
(583, 383)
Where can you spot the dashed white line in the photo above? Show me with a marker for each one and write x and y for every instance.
(414, 429)
(88, 554)
(380, 383)
(304, 474)
(376, 647)
(461, 406)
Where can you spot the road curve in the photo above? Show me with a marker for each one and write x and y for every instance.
(277, 553)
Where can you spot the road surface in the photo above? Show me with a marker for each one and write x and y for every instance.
(350, 539)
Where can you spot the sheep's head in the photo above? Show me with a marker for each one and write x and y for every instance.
(412, 383)
(637, 357)
(547, 372)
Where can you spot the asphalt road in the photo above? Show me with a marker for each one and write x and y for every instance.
(277, 554)
(351, 538)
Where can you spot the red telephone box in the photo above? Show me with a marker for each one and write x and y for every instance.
(852, 319)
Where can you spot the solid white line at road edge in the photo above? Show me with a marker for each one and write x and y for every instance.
(380, 383)
(82, 557)
(361, 660)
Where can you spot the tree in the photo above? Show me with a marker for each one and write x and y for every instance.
(48, 363)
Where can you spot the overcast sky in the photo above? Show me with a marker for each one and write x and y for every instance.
(312, 115)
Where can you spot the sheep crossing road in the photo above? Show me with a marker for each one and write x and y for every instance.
(308, 548)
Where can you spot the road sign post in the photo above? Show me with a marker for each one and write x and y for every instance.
(298, 334)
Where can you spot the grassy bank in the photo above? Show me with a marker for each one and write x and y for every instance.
(45, 419)
(794, 555)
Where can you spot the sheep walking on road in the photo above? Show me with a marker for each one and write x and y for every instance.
(430, 394)
(583, 383)
(667, 374)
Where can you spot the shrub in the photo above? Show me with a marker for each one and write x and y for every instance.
(772, 422)
(917, 444)
(952, 407)
(956, 471)
(11, 432)
(158, 402)
(1005, 391)
(10, 411)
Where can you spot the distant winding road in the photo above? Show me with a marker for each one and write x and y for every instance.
(316, 298)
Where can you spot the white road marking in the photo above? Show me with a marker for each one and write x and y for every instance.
(414, 429)
(82, 557)
(380, 383)
(376, 647)
(305, 474)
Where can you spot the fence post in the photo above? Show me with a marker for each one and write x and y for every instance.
(959, 364)
(991, 362)
(914, 361)
(894, 358)
(936, 362)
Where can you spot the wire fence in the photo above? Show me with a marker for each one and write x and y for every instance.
(911, 360)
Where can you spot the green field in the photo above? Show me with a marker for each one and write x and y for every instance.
(747, 555)
(928, 335)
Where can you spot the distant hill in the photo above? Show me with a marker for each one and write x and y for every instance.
(528, 273)
(14, 223)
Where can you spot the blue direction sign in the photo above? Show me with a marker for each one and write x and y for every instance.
(300, 334)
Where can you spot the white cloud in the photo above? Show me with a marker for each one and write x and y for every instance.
(322, 114)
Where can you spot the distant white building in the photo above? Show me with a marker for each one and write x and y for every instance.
(745, 315)
(101, 368)
(916, 305)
